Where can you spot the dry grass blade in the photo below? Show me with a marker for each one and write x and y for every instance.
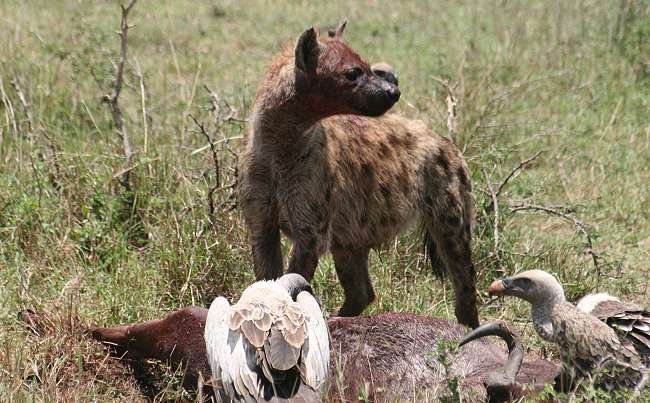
(495, 208)
(27, 106)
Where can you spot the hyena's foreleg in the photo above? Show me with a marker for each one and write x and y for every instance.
(307, 208)
(352, 270)
(261, 213)
(304, 254)
(264, 227)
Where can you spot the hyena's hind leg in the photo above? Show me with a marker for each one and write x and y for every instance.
(448, 217)
(352, 270)
(454, 250)
(432, 253)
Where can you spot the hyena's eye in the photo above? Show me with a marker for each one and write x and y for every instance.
(354, 73)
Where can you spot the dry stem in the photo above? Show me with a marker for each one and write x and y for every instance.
(217, 170)
(143, 98)
(579, 225)
(113, 99)
(491, 205)
(516, 169)
(27, 106)
(495, 205)
(452, 118)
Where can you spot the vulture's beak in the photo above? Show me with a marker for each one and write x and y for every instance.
(499, 287)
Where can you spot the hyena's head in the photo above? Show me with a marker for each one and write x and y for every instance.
(331, 78)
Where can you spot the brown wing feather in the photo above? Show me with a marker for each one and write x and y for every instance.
(631, 321)
(280, 354)
(254, 321)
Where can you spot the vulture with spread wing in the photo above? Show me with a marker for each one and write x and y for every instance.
(272, 344)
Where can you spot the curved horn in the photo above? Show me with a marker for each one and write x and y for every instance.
(500, 382)
(294, 283)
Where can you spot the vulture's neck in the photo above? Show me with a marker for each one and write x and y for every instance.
(543, 312)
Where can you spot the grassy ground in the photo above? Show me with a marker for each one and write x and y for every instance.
(568, 80)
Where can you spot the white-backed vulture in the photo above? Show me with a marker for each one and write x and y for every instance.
(587, 346)
(271, 343)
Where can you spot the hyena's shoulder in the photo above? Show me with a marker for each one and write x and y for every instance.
(390, 135)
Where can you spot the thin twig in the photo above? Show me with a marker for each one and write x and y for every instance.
(495, 205)
(112, 99)
(215, 100)
(515, 170)
(215, 162)
(579, 225)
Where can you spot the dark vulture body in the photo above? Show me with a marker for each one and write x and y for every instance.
(630, 321)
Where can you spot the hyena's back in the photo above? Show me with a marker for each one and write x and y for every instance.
(380, 174)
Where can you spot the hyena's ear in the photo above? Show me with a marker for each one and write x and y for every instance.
(307, 51)
(339, 30)
(336, 33)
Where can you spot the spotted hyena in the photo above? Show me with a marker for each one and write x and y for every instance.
(323, 165)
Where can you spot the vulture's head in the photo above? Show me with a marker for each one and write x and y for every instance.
(294, 283)
(534, 286)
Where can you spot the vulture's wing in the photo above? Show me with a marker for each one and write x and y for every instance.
(582, 335)
(232, 359)
(216, 345)
(628, 319)
(247, 376)
(287, 335)
(253, 320)
(315, 353)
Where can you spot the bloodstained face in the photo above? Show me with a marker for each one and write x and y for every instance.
(331, 78)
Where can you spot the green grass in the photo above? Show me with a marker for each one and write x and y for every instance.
(571, 80)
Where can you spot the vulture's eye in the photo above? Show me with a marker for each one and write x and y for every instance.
(353, 74)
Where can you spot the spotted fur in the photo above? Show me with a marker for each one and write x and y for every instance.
(333, 179)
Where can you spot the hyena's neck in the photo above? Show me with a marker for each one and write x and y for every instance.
(280, 117)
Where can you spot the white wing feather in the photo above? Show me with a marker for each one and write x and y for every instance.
(247, 384)
(216, 345)
(316, 352)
